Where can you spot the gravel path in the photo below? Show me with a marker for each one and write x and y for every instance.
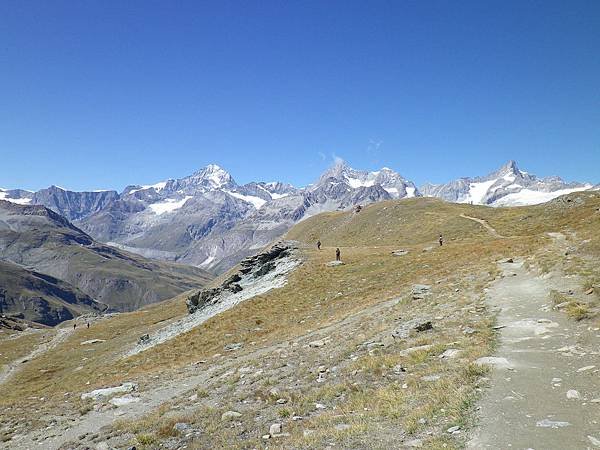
(486, 225)
(13, 367)
(545, 385)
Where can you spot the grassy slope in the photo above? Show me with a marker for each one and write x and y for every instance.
(350, 305)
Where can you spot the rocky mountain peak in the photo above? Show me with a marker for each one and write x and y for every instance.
(213, 175)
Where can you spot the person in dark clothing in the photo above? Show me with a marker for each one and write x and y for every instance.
(88, 324)
(74, 325)
(338, 255)
(441, 240)
(319, 245)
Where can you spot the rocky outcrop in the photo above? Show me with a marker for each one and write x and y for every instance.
(253, 267)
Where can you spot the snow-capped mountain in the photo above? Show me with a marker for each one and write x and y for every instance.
(508, 186)
(208, 220)
(387, 179)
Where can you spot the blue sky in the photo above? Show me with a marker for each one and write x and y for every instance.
(101, 94)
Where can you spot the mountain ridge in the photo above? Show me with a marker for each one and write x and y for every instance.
(208, 220)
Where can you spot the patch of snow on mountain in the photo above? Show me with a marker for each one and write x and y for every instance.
(257, 202)
(168, 205)
(393, 191)
(157, 187)
(356, 183)
(211, 257)
(275, 196)
(410, 191)
(216, 175)
(477, 192)
(18, 201)
(531, 197)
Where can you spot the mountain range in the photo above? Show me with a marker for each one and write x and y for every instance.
(210, 221)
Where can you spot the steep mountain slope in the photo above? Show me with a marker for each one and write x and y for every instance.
(41, 298)
(508, 186)
(38, 239)
(380, 352)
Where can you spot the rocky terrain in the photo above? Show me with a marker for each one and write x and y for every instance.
(55, 271)
(405, 344)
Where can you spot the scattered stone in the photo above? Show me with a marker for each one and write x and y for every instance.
(320, 406)
(595, 442)
(335, 263)
(398, 369)
(572, 394)
(428, 249)
(586, 368)
(507, 261)
(230, 415)
(589, 291)
(596, 400)
(181, 427)
(124, 400)
(233, 347)
(469, 330)
(493, 361)
(420, 291)
(371, 345)
(342, 427)
(296, 418)
(275, 428)
(317, 344)
(450, 353)
(266, 437)
(414, 443)
(144, 339)
(453, 429)
(400, 252)
(430, 378)
(547, 423)
(93, 341)
(106, 392)
(281, 401)
(424, 327)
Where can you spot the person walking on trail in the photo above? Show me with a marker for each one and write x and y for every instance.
(319, 245)
(441, 240)
(338, 255)
(74, 325)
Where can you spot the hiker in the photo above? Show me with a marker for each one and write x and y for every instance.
(441, 240)
(88, 324)
(74, 325)
(337, 255)
(319, 245)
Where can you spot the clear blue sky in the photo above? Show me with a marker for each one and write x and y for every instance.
(101, 94)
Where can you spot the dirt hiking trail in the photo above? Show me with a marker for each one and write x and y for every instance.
(545, 385)
(13, 367)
